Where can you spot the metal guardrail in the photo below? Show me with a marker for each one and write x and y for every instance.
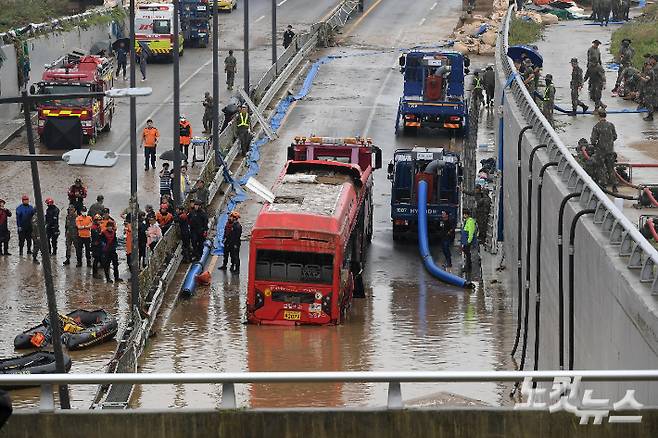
(619, 230)
(155, 278)
(393, 379)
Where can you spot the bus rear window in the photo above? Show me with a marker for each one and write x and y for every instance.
(294, 267)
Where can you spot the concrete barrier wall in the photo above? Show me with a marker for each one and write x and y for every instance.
(616, 322)
(42, 50)
(453, 423)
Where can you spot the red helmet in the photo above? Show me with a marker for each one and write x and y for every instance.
(25, 198)
(164, 206)
(49, 201)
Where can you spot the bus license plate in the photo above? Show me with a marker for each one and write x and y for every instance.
(291, 315)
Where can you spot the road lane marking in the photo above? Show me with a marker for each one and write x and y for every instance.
(434, 6)
(281, 3)
(259, 18)
(422, 21)
(383, 87)
(361, 18)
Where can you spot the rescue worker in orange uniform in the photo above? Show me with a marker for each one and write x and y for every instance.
(185, 135)
(150, 137)
(84, 223)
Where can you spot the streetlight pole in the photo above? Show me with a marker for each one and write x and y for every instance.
(45, 254)
(177, 147)
(274, 32)
(215, 82)
(246, 47)
(134, 204)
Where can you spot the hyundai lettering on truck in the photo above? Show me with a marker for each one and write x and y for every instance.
(308, 247)
(154, 28)
(63, 123)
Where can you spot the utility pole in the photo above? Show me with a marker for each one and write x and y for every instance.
(177, 147)
(134, 204)
(215, 84)
(45, 256)
(246, 47)
(274, 32)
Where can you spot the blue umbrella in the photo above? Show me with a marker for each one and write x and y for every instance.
(145, 47)
(515, 52)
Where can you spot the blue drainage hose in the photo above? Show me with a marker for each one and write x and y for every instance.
(216, 248)
(423, 243)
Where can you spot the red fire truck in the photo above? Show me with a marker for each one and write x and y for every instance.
(64, 123)
(308, 247)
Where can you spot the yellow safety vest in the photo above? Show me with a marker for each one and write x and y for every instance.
(244, 120)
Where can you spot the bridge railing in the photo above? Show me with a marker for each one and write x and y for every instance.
(619, 230)
(393, 379)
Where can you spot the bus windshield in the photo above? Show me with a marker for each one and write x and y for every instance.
(161, 26)
(294, 267)
(66, 89)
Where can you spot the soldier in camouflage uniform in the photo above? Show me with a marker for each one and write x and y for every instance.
(594, 54)
(625, 8)
(584, 154)
(575, 85)
(626, 54)
(630, 83)
(548, 102)
(596, 77)
(604, 12)
(650, 80)
(616, 10)
(603, 140)
(596, 7)
(529, 76)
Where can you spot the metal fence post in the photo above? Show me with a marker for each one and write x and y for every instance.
(47, 402)
(228, 396)
(394, 396)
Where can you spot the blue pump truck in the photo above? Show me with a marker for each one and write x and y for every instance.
(194, 21)
(433, 94)
(441, 170)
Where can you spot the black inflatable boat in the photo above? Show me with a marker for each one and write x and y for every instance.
(82, 329)
(39, 362)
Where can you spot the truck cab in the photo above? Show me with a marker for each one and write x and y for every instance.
(433, 93)
(64, 123)
(409, 166)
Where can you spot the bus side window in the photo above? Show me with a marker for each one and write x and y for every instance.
(327, 274)
(263, 270)
(278, 271)
(294, 272)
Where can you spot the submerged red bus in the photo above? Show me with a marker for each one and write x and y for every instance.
(307, 248)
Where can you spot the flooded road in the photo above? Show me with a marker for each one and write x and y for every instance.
(22, 298)
(408, 320)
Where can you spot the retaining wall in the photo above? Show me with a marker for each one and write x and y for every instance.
(616, 316)
(453, 423)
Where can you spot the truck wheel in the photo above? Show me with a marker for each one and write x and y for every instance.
(411, 131)
(397, 234)
(108, 125)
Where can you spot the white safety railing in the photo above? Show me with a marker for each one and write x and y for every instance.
(615, 225)
(393, 379)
